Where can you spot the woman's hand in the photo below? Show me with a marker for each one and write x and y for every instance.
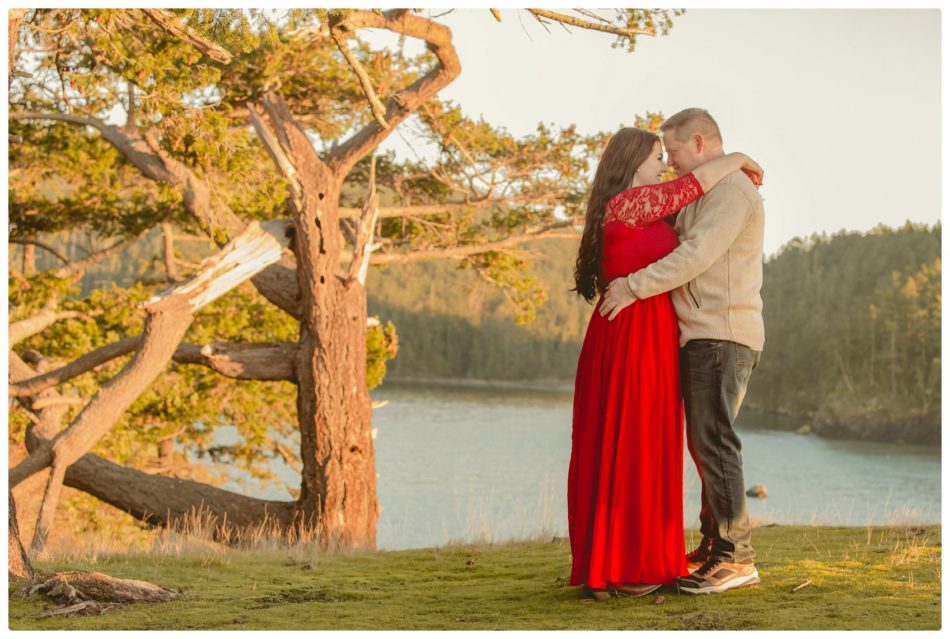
(755, 172)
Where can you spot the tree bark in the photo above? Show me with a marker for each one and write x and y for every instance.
(29, 259)
(182, 504)
(338, 486)
(14, 18)
(18, 562)
(30, 326)
(94, 593)
(168, 244)
(261, 361)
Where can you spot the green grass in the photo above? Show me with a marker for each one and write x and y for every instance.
(871, 578)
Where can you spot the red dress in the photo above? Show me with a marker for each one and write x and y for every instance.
(625, 480)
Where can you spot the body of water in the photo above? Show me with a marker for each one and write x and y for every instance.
(464, 463)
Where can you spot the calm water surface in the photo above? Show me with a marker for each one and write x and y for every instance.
(462, 463)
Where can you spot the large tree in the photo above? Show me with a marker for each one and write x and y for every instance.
(228, 118)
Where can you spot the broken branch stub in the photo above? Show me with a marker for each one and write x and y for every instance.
(256, 248)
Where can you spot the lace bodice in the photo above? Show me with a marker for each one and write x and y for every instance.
(640, 206)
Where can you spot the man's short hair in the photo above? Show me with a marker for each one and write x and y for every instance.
(690, 121)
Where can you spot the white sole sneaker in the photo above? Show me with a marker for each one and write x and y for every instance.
(740, 582)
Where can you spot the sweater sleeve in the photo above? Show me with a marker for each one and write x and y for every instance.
(722, 216)
(642, 205)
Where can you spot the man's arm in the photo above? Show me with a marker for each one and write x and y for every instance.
(725, 212)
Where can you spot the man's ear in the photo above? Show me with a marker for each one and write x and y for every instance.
(699, 142)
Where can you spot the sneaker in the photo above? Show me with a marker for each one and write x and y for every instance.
(696, 559)
(634, 590)
(718, 575)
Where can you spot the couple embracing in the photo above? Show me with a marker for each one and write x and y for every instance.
(679, 322)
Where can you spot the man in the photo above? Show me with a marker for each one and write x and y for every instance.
(716, 277)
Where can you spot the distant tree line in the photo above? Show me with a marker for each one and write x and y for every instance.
(853, 334)
(852, 329)
(852, 326)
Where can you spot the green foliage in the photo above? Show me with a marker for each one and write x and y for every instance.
(452, 325)
(382, 344)
(854, 319)
(507, 272)
(65, 177)
(27, 295)
(653, 21)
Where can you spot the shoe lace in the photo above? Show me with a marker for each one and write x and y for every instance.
(710, 565)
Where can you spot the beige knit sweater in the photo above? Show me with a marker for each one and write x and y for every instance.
(715, 274)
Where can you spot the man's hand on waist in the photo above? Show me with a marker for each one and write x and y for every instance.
(617, 297)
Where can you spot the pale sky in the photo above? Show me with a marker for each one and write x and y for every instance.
(841, 107)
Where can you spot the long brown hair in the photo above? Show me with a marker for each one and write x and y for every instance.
(626, 151)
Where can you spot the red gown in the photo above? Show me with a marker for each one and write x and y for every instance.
(625, 480)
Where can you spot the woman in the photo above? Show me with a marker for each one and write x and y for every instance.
(625, 481)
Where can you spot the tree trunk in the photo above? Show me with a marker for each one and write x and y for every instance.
(168, 246)
(338, 487)
(29, 259)
(18, 562)
(181, 504)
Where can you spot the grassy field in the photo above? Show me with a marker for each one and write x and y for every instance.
(870, 578)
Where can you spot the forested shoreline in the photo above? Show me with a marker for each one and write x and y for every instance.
(852, 327)
(852, 330)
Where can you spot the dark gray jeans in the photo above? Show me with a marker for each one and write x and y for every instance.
(715, 375)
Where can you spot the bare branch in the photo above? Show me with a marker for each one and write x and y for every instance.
(46, 402)
(363, 247)
(264, 361)
(258, 246)
(30, 326)
(339, 33)
(14, 17)
(46, 247)
(557, 230)
(277, 154)
(175, 27)
(591, 14)
(586, 24)
(541, 21)
(438, 39)
(496, 13)
(260, 361)
(293, 152)
(81, 265)
(77, 367)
